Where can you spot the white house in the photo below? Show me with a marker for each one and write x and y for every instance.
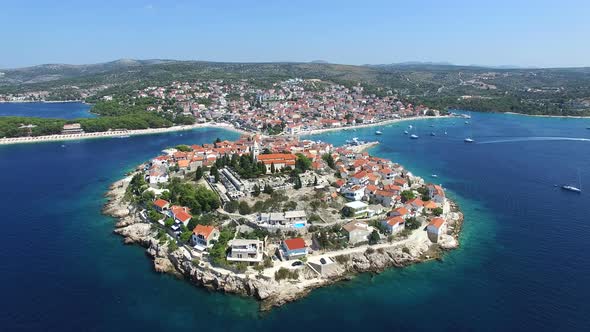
(158, 174)
(358, 209)
(436, 193)
(204, 236)
(353, 193)
(435, 228)
(242, 250)
(395, 224)
(358, 231)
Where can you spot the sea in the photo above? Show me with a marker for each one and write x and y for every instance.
(522, 264)
(60, 110)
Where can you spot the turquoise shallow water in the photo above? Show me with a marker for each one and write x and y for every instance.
(521, 264)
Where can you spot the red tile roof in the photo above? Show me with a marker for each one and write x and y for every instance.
(395, 220)
(294, 244)
(436, 222)
(160, 203)
(203, 230)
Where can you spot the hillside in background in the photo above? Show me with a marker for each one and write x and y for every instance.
(559, 91)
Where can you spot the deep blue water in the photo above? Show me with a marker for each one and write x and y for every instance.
(72, 110)
(522, 263)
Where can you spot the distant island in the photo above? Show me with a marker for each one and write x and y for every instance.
(275, 217)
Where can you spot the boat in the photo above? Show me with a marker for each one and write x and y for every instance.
(410, 126)
(445, 133)
(405, 132)
(124, 136)
(434, 175)
(378, 132)
(414, 136)
(355, 142)
(571, 188)
(469, 140)
(466, 122)
(432, 134)
(574, 188)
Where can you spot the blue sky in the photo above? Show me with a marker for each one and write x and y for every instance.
(525, 33)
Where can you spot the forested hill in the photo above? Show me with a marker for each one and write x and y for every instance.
(531, 91)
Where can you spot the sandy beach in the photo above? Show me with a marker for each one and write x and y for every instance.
(381, 123)
(115, 133)
(123, 133)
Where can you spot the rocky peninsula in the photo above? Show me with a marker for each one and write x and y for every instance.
(321, 267)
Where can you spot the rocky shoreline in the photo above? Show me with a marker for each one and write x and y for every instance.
(268, 291)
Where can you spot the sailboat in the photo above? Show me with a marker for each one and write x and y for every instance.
(573, 188)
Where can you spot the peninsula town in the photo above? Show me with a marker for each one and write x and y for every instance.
(288, 107)
(272, 215)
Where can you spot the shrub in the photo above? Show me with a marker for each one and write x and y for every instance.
(369, 250)
(342, 259)
(284, 273)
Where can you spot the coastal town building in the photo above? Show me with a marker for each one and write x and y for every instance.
(161, 205)
(249, 251)
(357, 209)
(357, 232)
(204, 236)
(72, 128)
(294, 219)
(181, 215)
(394, 225)
(294, 248)
(436, 228)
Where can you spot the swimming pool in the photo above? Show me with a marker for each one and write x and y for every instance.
(299, 225)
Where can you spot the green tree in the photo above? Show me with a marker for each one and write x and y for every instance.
(437, 211)
(407, 195)
(256, 191)
(412, 223)
(302, 163)
(154, 215)
(186, 236)
(374, 237)
(244, 208)
(297, 184)
(183, 148)
(169, 222)
(193, 223)
(231, 206)
(327, 157)
(199, 173)
(272, 168)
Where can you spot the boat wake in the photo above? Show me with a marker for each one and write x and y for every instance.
(533, 139)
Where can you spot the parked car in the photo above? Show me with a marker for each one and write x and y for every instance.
(297, 263)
